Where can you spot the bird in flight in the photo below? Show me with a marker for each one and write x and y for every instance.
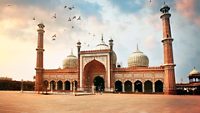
(54, 37)
(74, 17)
(69, 19)
(33, 18)
(65, 6)
(54, 16)
(79, 18)
(70, 8)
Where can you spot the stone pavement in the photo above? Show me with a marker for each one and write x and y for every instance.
(15, 102)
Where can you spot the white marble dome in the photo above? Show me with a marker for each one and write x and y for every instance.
(102, 46)
(138, 59)
(194, 72)
(70, 62)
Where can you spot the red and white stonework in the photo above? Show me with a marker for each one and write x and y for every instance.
(97, 68)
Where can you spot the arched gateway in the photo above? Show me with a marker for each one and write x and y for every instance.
(93, 75)
(118, 86)
(99, 83)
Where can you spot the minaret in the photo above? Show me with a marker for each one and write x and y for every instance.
(169, 74)
(78, 67)
(112, 81)
(39, 63)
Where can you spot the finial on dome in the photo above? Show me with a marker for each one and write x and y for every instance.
(102, 37)
(72, 52)
(102, 41)
(137, 48)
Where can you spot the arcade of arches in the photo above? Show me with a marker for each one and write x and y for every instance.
(138, 86)
(60, 85)
(127, 86)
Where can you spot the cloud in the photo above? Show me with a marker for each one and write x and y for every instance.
(189, 9)
(88, 8)
(45, 5)
(128, 6)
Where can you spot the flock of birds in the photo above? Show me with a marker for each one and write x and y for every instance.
(73, 18)
(70, 19)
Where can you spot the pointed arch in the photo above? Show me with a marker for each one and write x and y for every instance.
(128, 86)
(59, 85)
(99, 83)
(118, 86)
(138, 86)
(90, 70)
(148, 86)
(67, 85)
(158, 86)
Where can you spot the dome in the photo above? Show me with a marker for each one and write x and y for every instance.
(139, 59)
(194, 72)
(70, 62)
(102, 45)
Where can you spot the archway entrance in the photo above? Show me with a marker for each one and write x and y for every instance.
(158, 86)
(99, 83)
(90, 70)
(128, 86)
(67, 85)
(118, 86)
(60, 85)
(138, 86)
(148, 86)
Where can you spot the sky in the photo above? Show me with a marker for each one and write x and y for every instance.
(127, 22)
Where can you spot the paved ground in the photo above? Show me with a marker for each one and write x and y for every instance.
(15, 102)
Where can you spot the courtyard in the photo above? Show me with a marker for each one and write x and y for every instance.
(28, 102)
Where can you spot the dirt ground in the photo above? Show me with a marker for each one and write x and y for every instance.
(15, 102)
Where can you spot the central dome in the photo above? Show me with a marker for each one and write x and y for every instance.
(138, 59)
(102, 45)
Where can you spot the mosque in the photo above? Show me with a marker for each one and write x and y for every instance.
(96, 69)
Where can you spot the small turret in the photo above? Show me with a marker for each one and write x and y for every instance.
(165, 8)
